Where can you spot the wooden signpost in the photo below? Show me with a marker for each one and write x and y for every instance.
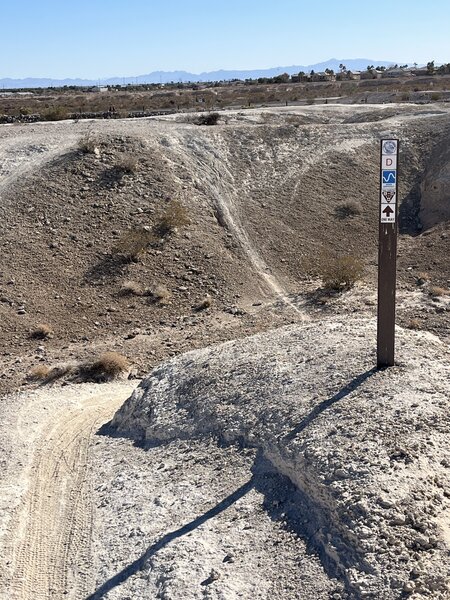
(387, 252)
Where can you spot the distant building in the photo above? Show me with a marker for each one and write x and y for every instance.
(421, 71)
(371, 74)
(98, 88)
(345, 75)
(5, 94)
(301, 77)
(396, 73)
(322, 76)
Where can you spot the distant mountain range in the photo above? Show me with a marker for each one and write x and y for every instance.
(183, 76)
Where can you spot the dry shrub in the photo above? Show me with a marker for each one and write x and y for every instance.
(208, 119)
(58, 372)
(414, 324)
(341, 273)
(42, 332)
(108, 366)
(39, 373)
(57, 113)
(293, 120)
(88, 144)
(266, 117)
(204, 304)
(435, 291)
(126, 165)
(49, 374)
(174, 217)
(321, 299)
(159, 295)
(133, 242)
(131, 288)
(347, 209)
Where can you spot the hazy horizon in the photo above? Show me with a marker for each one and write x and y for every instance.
(107, 39)
(277, 68)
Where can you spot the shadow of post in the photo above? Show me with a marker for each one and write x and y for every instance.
(265, 479)
(317, 410)
(139, 563)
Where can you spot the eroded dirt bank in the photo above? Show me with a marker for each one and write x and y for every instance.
(263, 190)
(367, 450)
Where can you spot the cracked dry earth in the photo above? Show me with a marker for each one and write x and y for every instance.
(194, 492)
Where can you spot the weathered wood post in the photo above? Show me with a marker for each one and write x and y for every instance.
(387, 252)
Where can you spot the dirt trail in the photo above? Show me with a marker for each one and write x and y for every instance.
(52, 528)
(200, 157)
(23, 154)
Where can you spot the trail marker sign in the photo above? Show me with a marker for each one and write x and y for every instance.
(387, 252)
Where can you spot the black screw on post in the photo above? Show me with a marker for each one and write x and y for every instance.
(387, 252)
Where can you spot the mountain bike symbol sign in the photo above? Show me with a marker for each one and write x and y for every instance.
(389, 177)
(388, 195)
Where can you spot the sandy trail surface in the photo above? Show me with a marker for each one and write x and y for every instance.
(48, 544)
(94, 516)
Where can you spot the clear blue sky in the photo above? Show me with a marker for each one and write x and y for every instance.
(99, 38)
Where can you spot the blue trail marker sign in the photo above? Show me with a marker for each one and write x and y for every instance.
(387, 252)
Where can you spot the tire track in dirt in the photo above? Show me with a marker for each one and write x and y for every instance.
(51, 550)
(19, 161)
(319, 153)
(210, 162)
(24, 149)
(205, 161)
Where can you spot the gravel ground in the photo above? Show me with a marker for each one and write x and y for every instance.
(197, 520)
(367, 449)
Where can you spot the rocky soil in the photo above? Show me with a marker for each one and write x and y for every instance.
(366, 450)
(263, 191)
(209, 490)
